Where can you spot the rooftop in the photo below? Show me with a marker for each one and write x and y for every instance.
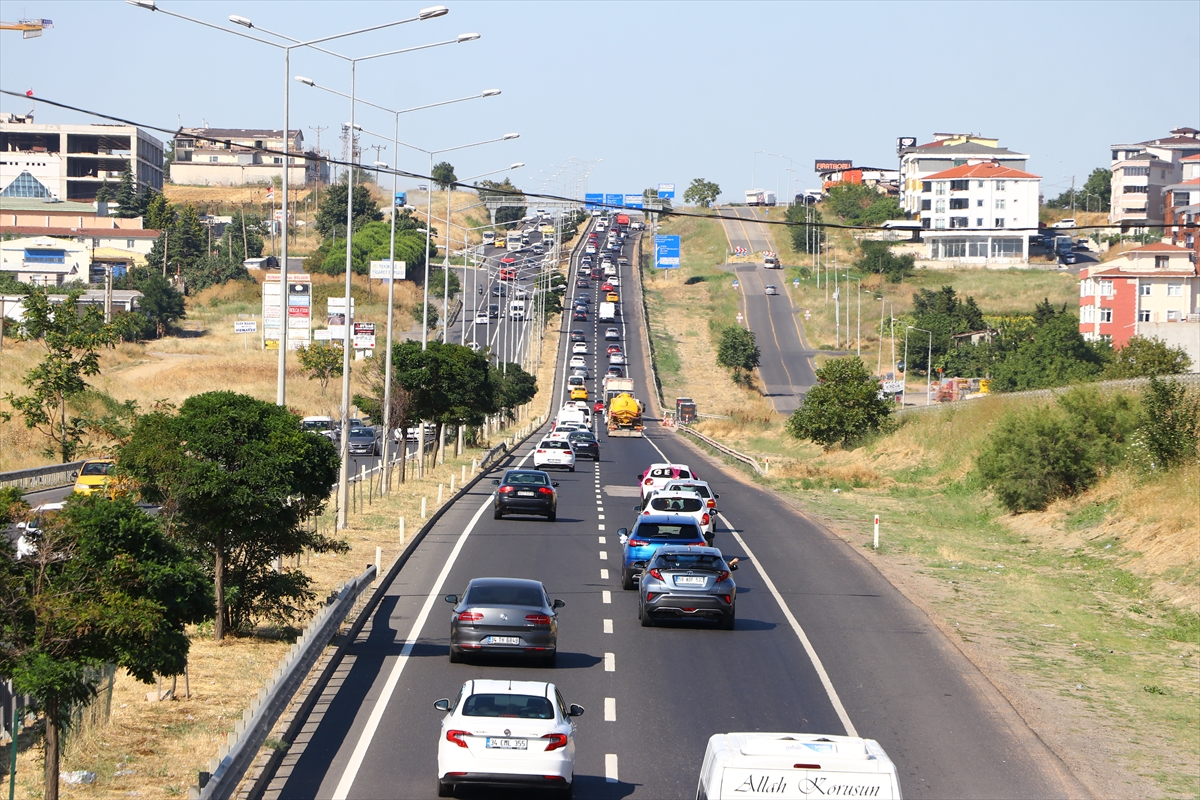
(940, 150)
(986, 169)
(38, 204)
(96, 233)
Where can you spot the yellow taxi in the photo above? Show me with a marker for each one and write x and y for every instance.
(579, 393)
(500, 243)
(93, 475)
(612, 297)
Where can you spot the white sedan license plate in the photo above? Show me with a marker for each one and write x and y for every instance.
(506, 744)
(503, 640)
(689, 580)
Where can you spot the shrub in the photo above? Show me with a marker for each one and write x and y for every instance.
(1168, 433)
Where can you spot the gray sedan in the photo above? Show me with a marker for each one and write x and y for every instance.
(508, 616)
(683, 582)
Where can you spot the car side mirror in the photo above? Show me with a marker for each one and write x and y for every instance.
(442, 705)
(716, 497)
(554, 483)
(733, 565)
(452, 598)
(558, 604)
(495, 482)
(575, 710)
(637, 507)
(74, 474)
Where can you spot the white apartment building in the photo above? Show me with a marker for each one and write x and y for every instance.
(72, 162)
(240, 156)
(982, 212)
(1141, 173)
(45, 261)
(946, 151)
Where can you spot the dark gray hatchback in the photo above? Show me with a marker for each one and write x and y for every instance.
(509, 616)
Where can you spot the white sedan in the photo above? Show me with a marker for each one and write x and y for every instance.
(554, 453)
(579, 349)
(578, 361)
(507, 734)
(481, 318)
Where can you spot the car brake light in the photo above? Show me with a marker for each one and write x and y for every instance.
(537, 619)
(506, 489)
(704, 520)
(541, 450)
(556, 740)
(656, 573)
(728, 599)
(546, 490)
(638, 543)
(470, 616)
(806, 766)
(722, 575)
(456, 737)
(712, 504)
(649, 481)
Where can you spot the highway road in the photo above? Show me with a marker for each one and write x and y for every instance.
(822, 644)
(785, 364)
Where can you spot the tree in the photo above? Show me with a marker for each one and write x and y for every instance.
(808, 234)
(1142, 357)
(1168, 433)
(71, 338)
(945, 314)
(843, 407)
(371, 405)
(331, 214)
(242, 238)
(437, 283)
(160, 214)
(321, 362)
(514, 388)
(103, 194)
(161, 304)
(443, 175)
(1094, 195)
(877, 257)
(237, 480)
(1054, 354)
(701, 193)
(103, 586)
(371, 244)
(126, 195)
(859, 204)
(505, 215)
(738, 351)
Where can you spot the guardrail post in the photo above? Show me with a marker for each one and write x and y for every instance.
(422, 508)
(378, 560)
(463, 479)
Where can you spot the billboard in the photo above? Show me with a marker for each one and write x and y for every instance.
(634, 200)
(614, 199)
(666, 252)
(335, 316)
(380, 271)
(832, 165)
(666, 191)
(593, 200)
(299, 302)
(364, 336)
(905, 142)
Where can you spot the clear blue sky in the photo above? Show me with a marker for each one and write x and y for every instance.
(662, 92)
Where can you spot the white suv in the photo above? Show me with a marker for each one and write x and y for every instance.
(688, 504)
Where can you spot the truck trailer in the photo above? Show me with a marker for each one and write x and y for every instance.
(760, 197)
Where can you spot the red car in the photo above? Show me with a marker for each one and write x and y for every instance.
(606, 287)
(614, 348)
(598, 407)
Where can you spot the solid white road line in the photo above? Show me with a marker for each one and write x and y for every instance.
(610, 662)
(610, 709)
(610, 768)
(608, 626)
(603, 574)
(834, 700)
(606, 596)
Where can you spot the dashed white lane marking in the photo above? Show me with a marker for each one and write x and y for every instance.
(610, 662)
(603, 574)
(603, 555)
(608, 626)
(606, 596)
(610, 768)
(834, 700)
(601, 526)
(610, 709)
(599, 516)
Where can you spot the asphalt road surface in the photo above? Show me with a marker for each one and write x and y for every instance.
(822, 644)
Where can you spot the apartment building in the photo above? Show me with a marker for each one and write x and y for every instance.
(982, 212)
(1182, 216)
(241, 156)
(1142, 171)
(1151, 291)
(72, 162)
(946, 151)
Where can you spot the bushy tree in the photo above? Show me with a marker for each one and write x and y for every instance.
(371, 244)
(701, 193)
(1095, 194)
(514, 387)
(843, 407)
(1054, 354)
(331, 214)
(443, 175)
(237, 480)
(126, 195)
(808, 234)
(945, 314)
(1142, 357)
(859, 204)
(321, 362)
(1168, 434)
(877, 257)
(437, 283)
(160, 306)
(738, 351)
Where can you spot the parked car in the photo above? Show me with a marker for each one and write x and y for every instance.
(686, 582)
(554, 453)
(504, 616)
(525, 491)
(506, 734)
(650, 533)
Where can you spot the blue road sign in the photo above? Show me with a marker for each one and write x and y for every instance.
(666, 252)
(614, 199)
(634, 200)
(666, 191)
(593, 200)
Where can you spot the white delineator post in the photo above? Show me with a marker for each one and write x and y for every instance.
(876, 531)
(402, 531)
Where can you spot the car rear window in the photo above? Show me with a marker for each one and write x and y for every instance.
(525, 479)
(505, 595)
(687, 561)
(555, 444)
(521, 706)
(693, 487)
(675, 505)
(654, 530)
(95, 469)
(661, 472)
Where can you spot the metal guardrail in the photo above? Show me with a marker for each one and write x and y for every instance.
(39, 478)
(729, 451)
(241, 746)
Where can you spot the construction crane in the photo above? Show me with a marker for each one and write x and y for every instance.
(30, 28)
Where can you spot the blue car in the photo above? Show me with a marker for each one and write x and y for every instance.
(651, 532)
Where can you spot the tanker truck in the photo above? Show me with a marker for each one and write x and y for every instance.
(622, 411)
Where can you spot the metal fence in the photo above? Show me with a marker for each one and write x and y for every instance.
(729, 451)
(38, 478)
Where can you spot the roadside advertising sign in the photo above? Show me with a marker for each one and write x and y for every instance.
(335, 315)
(832, 165)
(245, 326)
(666, 252)
(364, 336)
(905, 142)
(299, 301)
(380, 270)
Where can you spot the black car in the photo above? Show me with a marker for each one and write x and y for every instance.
(583, 283)
(525, 491)
(494, 310)
(363, 442)
(584, 443)
(499, 290)
(579, 316)
(578, 336)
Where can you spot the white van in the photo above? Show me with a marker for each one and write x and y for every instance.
(516, 309)
(489, 237)
(513, 243)
(795, 765)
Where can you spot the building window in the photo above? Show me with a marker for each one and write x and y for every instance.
(1087, 313)
(1106, 337)
(1174, 290)
(1106, 315)
(1135, 189)
(978, 184)
(1182, 198)
(958, 222)
(999, 222)
(939, 224)
(1135, 210)
(959, 186)
(979, 222)
(1162, 262)
(1133, 172)
(941, 206)
(926, 204)
(939, 187)
(1008, 248)
(1143, 315)
(278, 159)
(1000, 203)
(1106, 288)
(25, 185)
(45, 256)
(999, 186)
(959, 202)
(213, 160)
(1144, 291)
(926, 186)
(949, 248)
(979, 204)
(925, 223)
(1173, 316)
(1087, 287)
